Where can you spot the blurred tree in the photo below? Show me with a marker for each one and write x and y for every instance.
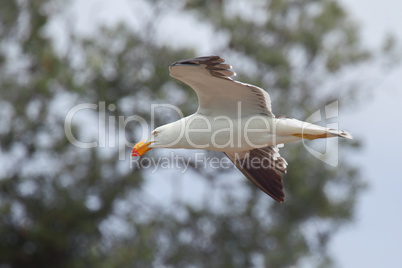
(54, 196)
(62, 206)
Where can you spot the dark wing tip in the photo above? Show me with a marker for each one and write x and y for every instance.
(217, 68)
(267, 174)
(213, 65)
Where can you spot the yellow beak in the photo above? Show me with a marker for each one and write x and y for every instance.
(140, 148)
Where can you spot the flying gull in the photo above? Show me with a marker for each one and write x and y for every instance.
(234, 118)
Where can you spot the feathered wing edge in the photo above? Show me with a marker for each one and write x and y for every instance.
(217, 68)
(214, 64)
(263, 167)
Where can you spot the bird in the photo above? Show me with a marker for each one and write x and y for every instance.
(234, 118)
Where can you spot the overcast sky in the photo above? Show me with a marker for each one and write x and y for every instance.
(375, 238)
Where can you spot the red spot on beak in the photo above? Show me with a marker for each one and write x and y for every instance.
(134, 152)
(140, 148)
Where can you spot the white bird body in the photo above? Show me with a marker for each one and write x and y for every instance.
(225, 134)
(234, 118)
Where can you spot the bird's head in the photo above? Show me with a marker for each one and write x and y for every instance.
(145, 145)
(167, 136)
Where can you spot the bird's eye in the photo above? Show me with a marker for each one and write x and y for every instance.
(155, 133)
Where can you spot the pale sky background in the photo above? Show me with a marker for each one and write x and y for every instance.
(374, 239)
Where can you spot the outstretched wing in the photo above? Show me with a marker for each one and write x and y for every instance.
(217, 93)
(263, 167)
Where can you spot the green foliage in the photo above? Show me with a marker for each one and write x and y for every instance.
(57, 201)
